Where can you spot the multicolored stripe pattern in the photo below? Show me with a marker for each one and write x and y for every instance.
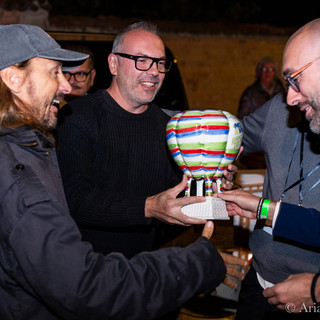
(203, 143)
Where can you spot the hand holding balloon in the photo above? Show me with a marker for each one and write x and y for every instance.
(166, 206)
(228, 177)
(204, 144)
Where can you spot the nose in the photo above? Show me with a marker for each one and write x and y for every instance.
(64, 85)
(293, 97)
(72, 78)
(154, 69)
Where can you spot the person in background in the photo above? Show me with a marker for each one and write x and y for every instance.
(289, 137)
(47, 271)
(265, 87)
(81, 78)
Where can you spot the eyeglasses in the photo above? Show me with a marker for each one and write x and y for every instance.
(143, 63)
(270, 69)
(78, 76)
(290, 79)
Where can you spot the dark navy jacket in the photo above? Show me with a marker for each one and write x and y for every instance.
(298, 224)
(47, 272)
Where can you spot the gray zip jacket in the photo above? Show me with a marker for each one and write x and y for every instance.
(276, 129)
(47, 272)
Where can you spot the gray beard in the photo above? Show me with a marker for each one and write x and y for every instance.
(315, 124)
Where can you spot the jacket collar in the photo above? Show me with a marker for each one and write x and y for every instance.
(24, 136)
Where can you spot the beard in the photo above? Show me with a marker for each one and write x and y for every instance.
(315, 123)
(315, 119)
(43, 116)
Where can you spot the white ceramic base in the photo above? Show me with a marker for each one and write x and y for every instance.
(213, 209)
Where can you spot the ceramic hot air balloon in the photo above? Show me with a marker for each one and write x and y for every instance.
(203, 143)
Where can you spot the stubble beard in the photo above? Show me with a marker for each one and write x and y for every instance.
(44, 118)
(315, 120)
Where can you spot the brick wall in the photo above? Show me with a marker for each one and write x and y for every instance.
(216, 69)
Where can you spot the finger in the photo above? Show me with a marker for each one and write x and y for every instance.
(208, 230)
(189, 200)
(240, 151)
(230, 259)
(271, 294)
(232, 272)
(189, 220)
(228, 185)
(231, 207)
(175, 221)
(233, 169)
(267, 293)
(273, 300)
(229, 195)
(213, 293)
(179, 187)
(230, 283)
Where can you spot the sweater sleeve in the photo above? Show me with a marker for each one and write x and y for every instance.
(298, 224)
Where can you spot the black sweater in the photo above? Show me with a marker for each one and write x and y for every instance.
(111, 160)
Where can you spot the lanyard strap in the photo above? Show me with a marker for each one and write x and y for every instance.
(302, 177)
(292, 154)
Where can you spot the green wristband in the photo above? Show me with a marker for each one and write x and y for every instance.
(265, 209)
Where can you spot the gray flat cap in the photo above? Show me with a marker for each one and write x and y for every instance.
(21, 42)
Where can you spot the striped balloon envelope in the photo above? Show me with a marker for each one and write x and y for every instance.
(203, 143)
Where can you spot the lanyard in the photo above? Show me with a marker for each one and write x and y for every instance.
(302, 177)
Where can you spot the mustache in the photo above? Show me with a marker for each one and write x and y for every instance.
(149, 79)
(306, 103)
(75, 87)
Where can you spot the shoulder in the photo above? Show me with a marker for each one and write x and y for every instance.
(18, 166)
(81, 109)
(274, 107)
(255, 87)
(90, 100)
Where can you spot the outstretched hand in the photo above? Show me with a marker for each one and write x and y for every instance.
(232, 262)
(166, 207)
(240, 203)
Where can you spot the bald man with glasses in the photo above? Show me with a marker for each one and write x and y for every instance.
(284, 276)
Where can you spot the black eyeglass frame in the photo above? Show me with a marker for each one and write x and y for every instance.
(154, 60)
(75, 74)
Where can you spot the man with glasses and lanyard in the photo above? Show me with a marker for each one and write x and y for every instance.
(113, 156)
(292, 150)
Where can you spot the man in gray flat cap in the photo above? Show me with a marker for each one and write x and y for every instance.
(46, 271)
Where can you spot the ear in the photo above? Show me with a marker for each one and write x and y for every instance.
(13, 78)
(93, 75)
(113, 63)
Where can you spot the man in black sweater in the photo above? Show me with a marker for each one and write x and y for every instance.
(115, 164)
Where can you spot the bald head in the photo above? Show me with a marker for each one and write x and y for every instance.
(312, 29)
(302, 47)
(301, 68)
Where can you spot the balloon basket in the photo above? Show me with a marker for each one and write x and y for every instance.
(212, 209)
